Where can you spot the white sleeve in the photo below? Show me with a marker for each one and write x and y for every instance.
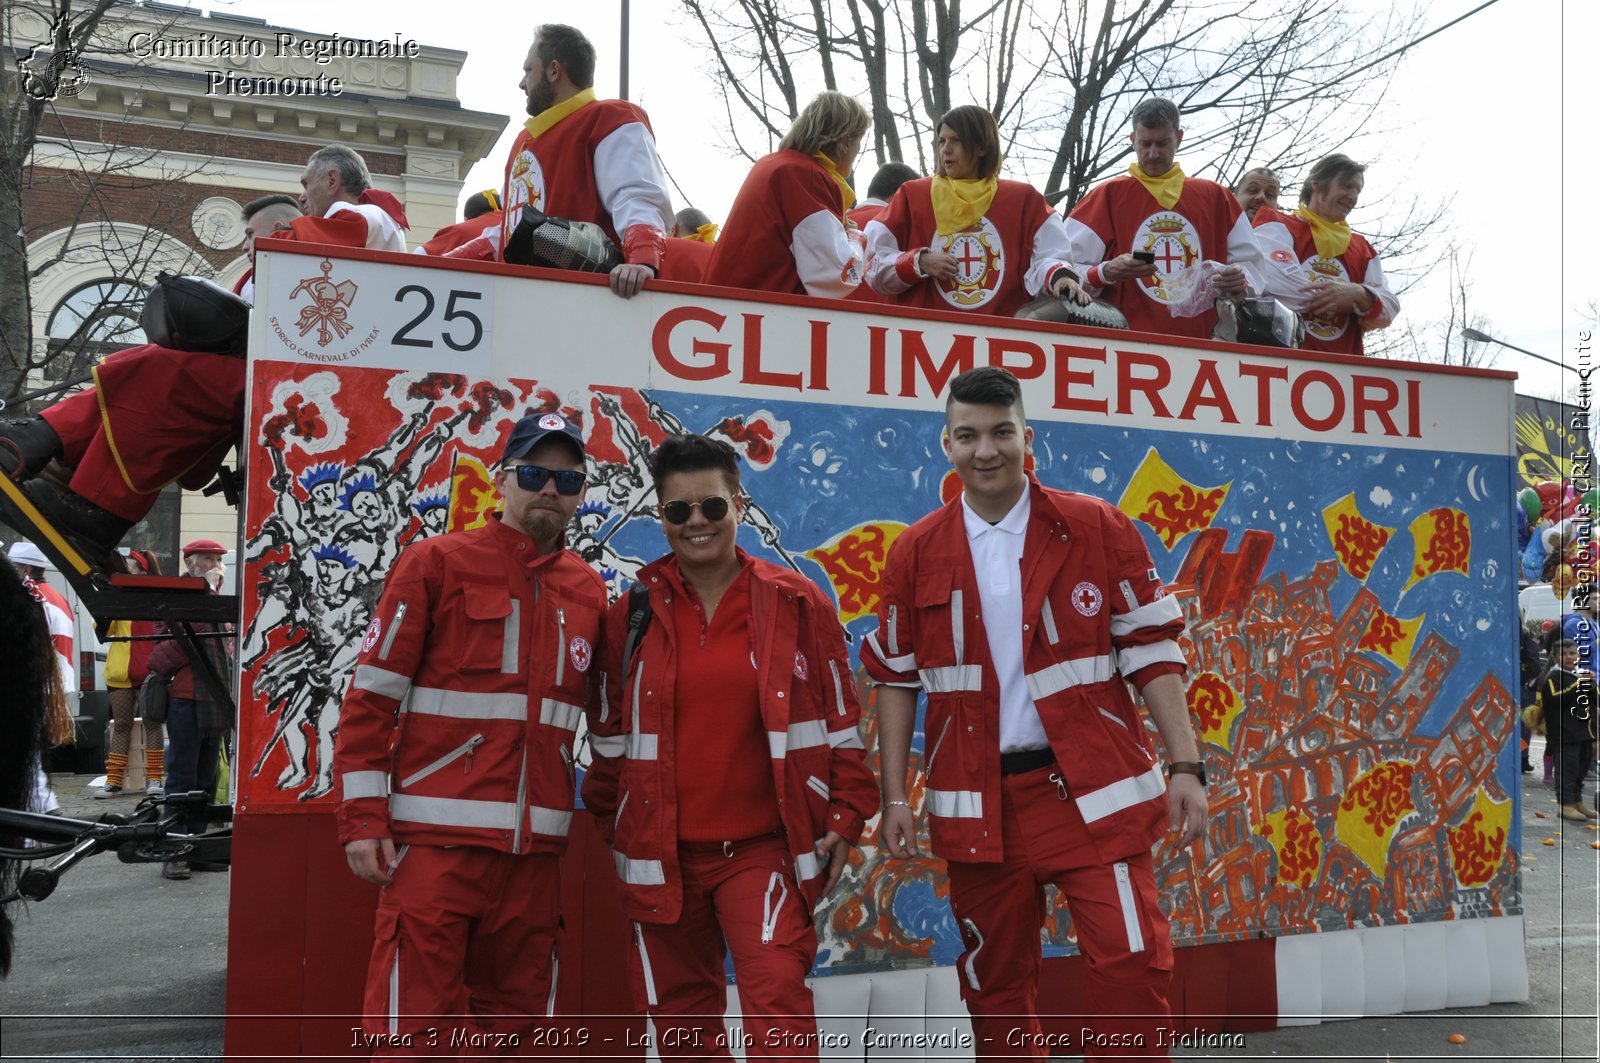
(1285, 281)
(1379, 286)
(1084, 249)
(1052, 247)
(383, 234)
(630, 180)
(883, 251)
(826, 256)
(1245, 252)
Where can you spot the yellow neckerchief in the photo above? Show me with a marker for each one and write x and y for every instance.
(838, 179)
(543, 122)
(1166, 188)
(958, 202)
(1332, 237)
(706, 234)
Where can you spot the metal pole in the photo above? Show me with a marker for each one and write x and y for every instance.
(1483, 337)
(622, 86)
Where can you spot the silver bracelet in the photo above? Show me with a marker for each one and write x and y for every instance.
(902, 804)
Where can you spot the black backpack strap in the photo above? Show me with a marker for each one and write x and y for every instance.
(639, 613)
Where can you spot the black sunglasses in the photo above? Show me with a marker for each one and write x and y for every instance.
(712, 508)
(534, 477)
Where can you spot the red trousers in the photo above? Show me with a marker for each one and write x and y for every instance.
(1122, 932)
(155, 415)
(466, 941)
(748, 897)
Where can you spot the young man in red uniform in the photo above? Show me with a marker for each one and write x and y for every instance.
(966, 240)
(728, 775)
(786, 231)
(455, 752)
(1337, 269)
(1178, 221)
(1024, 613)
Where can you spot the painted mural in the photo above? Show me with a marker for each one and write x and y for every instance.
(1349, 671)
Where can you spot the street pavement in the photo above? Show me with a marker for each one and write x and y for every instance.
(122, 964)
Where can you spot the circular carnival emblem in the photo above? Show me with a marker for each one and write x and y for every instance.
(1170, 237)
(527, 182)
(580, 653)
(980, 265)
(1321, 270)
(1086, 598)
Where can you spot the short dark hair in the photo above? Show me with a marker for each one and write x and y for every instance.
(890, 176)
(1244, 177)
(987, 385)
(570, 48)
(1156, 112)
(690, 219)
(979, 132)
(1329, 169)
(477, 204)
(687, 452)
(277, 199)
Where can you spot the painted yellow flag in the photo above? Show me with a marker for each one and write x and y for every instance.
(1215, 704)
(1298, 843)
(1171, 505)
(473, 499)
(1357, 541)
(1372, 810)
(1479, 845)
(1390, 637)
(853, 562)
(1442, 539)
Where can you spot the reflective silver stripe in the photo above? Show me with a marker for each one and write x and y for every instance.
(455, 754)
(951, 679)
(394, 629)
(1158, 613)
(617, 820)
(938, 744)
(453, 812)
(769, 910)
(1130, 907)
(637, 872)
(641, 747)
(838, 687)
(522, 797)
(638, 678)
(1124, 793)
(1113, 717)
(808, 865)
(1048, 618)
(359, 784)
(894, 631)
(552, 822)
(971, 964)
(1064, 674)
(799, 736)
(845, 738)
(644, 963)
(906, 662)
(818, 785)
(955, 804)
(394, 993)
(1128, 596)
(608, 745)
(605, 702)
(381, 681)
(560, 714)
(958, 625)
(561, 644)
(555, 980)
(1167, 651)
(460, 705)
(510, 663)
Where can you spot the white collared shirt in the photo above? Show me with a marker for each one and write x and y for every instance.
(997, 560)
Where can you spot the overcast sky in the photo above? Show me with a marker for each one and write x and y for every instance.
(1485, 117)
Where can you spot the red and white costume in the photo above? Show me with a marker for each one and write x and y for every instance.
(455, 740)
(685, 260)
(452, 236)
(786, 232)
(795, 771)
(1287, 242)
(1093, 617)
(1002, 261)
(866, 210)
(58, 617)
(1205, 223)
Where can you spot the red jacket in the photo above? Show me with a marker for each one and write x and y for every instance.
(1095, 616)
(808, 701)
(457, 728)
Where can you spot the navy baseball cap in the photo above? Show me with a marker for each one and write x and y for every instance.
(528, 432)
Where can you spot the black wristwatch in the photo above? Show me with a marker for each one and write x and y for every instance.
(1197, 768)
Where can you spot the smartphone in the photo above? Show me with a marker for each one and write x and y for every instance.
(1147, 257)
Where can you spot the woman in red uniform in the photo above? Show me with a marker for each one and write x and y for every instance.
(787, 231)
(1346, 292)
(965, 239)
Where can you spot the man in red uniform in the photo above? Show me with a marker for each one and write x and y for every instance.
(479, 214)
(728, 776)
(885, 183)
(688, 249)
(584, 159)
(1173, 222)
(266, 216)
(1024, 613)
(481, 645)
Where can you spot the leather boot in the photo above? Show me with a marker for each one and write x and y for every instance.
(91, 529)
(26, 447)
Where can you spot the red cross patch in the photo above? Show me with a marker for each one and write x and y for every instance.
(800, 669)
(553, 422)
(371, 638)
(1086, 598)
(580, 653)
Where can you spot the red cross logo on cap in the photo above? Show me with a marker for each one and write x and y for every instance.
(1086, 598)
(553, 422)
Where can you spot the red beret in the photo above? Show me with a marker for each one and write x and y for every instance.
(1548, 624)
(204, 546)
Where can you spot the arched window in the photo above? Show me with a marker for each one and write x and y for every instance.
(95, 320)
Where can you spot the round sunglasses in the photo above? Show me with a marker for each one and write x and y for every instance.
(712, 508)
(534, 477)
